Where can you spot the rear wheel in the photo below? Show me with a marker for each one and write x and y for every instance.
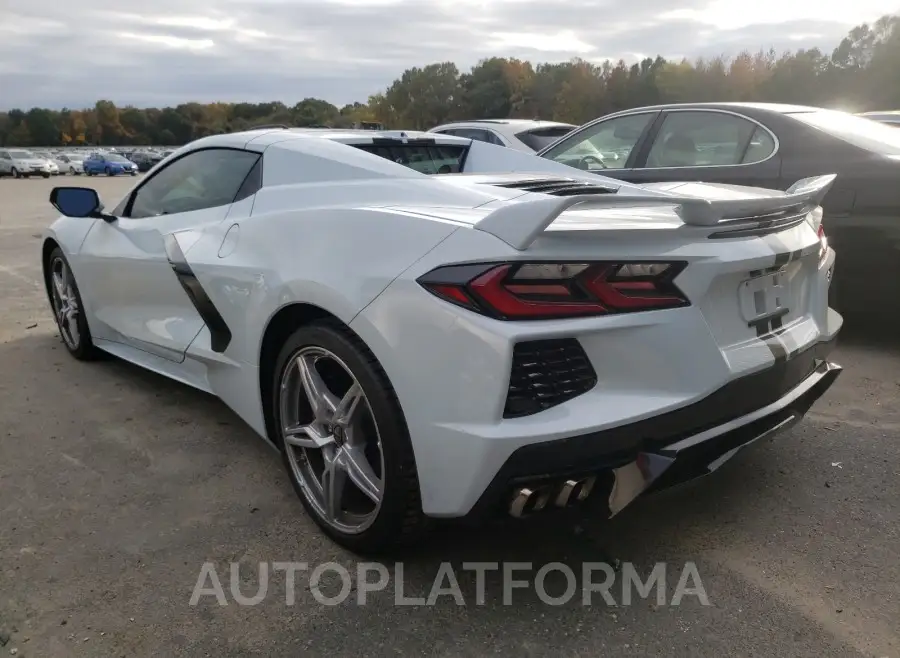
(65, 300)
(344, 440)
(15, 173)
(109, 171)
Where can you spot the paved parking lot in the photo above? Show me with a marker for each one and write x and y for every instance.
(117, 485)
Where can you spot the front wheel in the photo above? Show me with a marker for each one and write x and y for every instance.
(65, 301)
(45, 175)
(15, 173)
(344, 440)
(72, 171)
(109, 171)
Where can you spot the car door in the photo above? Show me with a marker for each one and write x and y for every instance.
(128, 264)
(713, 146)
(608, 146)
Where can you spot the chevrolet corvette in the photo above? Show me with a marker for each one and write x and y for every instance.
(426, 326)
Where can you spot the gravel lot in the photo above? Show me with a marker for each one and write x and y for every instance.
(117, 485)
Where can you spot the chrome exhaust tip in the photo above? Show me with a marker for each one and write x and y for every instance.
(575, 491)
(526, 500)
(565, 492)
(587, 486)
(519, 502)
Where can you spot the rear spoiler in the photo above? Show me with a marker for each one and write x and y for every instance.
(519, 223)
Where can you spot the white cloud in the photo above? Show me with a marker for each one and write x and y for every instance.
(566, 41)
(172, 51)
(169, 41)
(728, 14)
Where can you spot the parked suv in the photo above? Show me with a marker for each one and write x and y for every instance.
(20, 163)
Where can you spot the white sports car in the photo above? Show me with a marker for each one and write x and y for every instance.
(427, 326)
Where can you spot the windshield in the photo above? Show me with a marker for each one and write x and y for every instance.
(541, 138)
(424, 158)
(21, 155)
(864, 133)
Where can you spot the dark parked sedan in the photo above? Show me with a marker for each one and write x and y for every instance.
(145, 161)
(773, 146)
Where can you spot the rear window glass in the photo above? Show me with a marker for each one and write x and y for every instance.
(424, 158)
(864, 133)
(542, 137)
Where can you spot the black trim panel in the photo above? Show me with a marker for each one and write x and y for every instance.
(612, 448)
(219, 333)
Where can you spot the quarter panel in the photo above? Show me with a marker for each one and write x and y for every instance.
(338, 260)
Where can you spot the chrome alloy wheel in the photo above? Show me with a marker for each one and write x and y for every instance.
(331, 438)
(65, 302)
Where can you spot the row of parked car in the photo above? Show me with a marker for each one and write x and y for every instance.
(25, 163)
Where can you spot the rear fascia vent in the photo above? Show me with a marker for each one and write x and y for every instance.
(547, 373)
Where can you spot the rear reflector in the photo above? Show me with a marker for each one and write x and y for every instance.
(533, 291)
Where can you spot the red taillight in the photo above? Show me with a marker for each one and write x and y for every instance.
(531, 291)
(823, 243)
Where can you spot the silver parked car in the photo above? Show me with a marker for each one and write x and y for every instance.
(520, 134)
(20, 163)
(70, 163)
(49, 157)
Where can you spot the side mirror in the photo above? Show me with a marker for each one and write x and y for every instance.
(78, 202)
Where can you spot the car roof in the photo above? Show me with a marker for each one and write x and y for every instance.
(886, 114)
(781, 108)
(258, 140)
(512, 123)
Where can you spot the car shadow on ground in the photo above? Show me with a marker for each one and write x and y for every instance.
(130, 482)
(131, 400)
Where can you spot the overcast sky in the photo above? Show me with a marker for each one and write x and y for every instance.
(56, 53)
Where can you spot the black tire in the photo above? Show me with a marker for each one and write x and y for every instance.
(109, 172)
(400, 520)
(45, 175)
(15, 173)
(133, 172)
(85, 350)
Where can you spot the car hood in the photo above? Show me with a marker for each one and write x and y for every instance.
(32, 162)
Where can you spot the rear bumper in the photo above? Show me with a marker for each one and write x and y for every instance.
(612, 468)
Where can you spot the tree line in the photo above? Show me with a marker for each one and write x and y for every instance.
(862, 73)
